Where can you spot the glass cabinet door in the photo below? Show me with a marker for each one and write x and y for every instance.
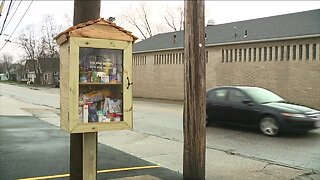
(100, 85)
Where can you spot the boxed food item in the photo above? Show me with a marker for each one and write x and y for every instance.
(113, 109)
(93, 96)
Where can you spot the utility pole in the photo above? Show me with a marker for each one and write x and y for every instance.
(194, 114)
(84, 10)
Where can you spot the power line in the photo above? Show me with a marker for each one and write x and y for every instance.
(13, 15)
(17, 26)
(6, 17)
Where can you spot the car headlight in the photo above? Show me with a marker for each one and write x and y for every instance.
(293, 115)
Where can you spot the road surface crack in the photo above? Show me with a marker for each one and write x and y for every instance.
(305, 176)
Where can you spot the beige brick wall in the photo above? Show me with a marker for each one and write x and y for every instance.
(162, 81)
(295, 80)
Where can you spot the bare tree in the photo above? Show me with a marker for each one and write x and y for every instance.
(49, 30)
(33, 49)
(144, 16)
(174, 17)
(28, 40)
(68, 19)
(38, 42)
(139, 18)
(5, 63)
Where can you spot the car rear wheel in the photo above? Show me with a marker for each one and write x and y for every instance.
(269, 126)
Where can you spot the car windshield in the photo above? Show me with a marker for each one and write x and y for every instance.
(262, 95)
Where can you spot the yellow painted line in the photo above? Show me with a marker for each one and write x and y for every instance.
(47, 177)
(100, 171)
(127, 169)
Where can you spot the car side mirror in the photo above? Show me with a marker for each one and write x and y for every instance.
(248, 102)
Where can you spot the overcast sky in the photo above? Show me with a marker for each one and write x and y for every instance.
(220, 11)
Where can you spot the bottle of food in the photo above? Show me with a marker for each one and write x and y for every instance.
(85, 113)
(89, 74)
(94, 76)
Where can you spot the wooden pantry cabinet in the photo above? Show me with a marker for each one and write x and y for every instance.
(95, 77)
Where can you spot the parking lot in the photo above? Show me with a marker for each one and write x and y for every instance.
(33, 149)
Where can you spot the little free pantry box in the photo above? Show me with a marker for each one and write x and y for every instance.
(95, 77)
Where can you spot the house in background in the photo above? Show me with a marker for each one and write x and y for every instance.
(45, 71)
(3, 77)
(50, 70)
(30, 70)
(16, 72)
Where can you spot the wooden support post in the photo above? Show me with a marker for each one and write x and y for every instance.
(90, 155)
(194, 115)
(83, 146)
(76, 159)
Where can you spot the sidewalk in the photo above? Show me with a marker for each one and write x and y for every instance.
(169, 153)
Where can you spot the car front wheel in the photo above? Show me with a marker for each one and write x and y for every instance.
(269, 126)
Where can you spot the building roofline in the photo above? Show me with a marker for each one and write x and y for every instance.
(266, 40)
(166, 49)
(233, 43)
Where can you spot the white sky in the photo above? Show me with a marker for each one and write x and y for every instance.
(220, 11)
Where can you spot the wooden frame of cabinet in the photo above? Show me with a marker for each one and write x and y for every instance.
(99, 34)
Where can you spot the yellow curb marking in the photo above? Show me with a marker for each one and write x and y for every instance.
(100, 171)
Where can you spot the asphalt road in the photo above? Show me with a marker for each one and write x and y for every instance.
(164, 119)
(31, 148)
(293, 150)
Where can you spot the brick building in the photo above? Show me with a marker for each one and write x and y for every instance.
(280, 53)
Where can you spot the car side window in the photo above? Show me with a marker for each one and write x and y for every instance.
(236, 96)
(219, 95)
